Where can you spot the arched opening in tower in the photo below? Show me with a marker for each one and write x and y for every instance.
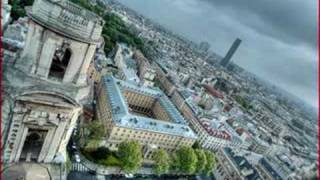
(33, 145)
(59, 64)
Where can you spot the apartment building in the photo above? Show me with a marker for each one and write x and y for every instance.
(133, 112)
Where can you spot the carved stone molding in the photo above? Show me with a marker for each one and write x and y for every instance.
(42, 118)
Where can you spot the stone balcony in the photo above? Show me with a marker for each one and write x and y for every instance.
(67, 18)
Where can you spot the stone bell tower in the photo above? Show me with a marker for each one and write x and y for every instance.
(47, 86)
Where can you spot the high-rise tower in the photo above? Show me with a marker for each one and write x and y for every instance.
(225, 61)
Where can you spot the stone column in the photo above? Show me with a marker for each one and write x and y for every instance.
(46, 57)
(54, 142)
(19, 144)
(46, 146)
(71, 122)
(77, 58)
(31, 50)
(85, 65)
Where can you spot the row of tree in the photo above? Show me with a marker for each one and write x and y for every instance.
(114, 30)
(189, 160)
(18, 8)
(185, 160)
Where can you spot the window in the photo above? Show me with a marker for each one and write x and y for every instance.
(59, 63)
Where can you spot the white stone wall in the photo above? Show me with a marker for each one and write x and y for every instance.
(39, 50)
(5, 13)
(57, 121)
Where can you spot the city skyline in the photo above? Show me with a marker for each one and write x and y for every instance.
(269, 43)
(95, 89)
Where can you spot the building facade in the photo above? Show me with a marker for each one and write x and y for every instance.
(5, 14)
(132, 112)
(208, 137)
(146, 72)
(48, 86)
(163, 79)
(267, 171)
(234, 167)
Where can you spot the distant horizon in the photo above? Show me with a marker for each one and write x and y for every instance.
(291, 64)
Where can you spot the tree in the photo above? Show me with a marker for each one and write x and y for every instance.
(115, 29)
(130, 155)
(211, 162)
(97, 130)
(186, 160)
(162, 161)
(196, 145)
(18, 6)
(101, 153)
(202, 160)
(93, 132)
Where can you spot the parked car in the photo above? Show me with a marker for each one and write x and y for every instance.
(77, 158)
(129, 175)
(74, 147)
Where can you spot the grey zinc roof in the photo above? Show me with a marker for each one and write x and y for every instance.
(138, 89)
(116, 100)
(171, 110)
(122, 117)
(241, 164)
(149, 124)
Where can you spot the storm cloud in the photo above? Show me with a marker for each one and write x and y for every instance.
(293, 21)
(279, 37)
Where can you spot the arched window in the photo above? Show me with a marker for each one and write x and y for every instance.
(33, 145)
(59, 64)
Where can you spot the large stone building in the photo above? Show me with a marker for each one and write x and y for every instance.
(146, 72)
(267, 171)
(212, 134)
(163, 79)
(132, 112)
(232, 166)
(47, 86)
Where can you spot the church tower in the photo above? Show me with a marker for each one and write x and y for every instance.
(45, 89)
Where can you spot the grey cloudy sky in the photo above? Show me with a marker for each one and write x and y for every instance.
(279, 37)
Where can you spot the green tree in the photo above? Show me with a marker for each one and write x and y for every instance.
(114, 30)
(91, 145)
(202, 160)
(174, 166)
(101, 153)
(96, 130)
(196, 145)
(130, 155)
(186, 160)
(211, 162)
(162, 161)
(18, 6)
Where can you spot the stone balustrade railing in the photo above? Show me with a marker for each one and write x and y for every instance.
(67, 18)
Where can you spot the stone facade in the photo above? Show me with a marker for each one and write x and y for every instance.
(133, 112)
(47, 87)
(146, 72)
(34, 113)
(5, 14)
(41, 45)
(164, 80)
(212, 139)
